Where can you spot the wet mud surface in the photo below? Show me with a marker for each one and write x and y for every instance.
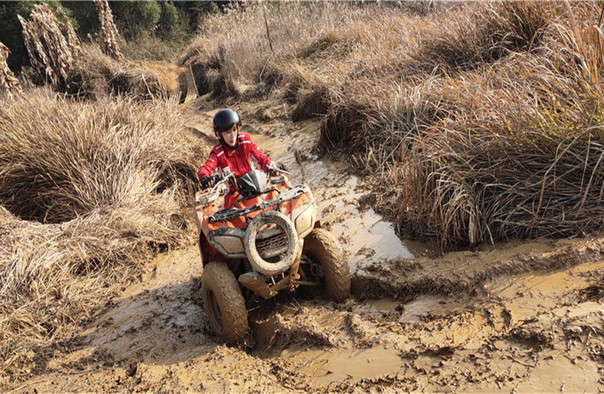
(522, 317)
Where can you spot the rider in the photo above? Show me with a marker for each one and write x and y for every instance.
(235, 150)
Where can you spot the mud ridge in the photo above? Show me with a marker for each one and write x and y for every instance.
(395, 278)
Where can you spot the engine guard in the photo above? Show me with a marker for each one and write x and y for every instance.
(266, 287)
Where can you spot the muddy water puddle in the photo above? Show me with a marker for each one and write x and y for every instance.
(529, 333)
(333, 367)
(367, 238)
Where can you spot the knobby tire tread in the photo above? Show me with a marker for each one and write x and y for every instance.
(322, 245)
(218, 278)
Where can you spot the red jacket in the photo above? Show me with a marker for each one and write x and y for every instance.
(238, 159)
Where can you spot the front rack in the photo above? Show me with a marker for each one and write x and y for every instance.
(231, 213)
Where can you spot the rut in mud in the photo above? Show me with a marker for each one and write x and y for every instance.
(526, 316)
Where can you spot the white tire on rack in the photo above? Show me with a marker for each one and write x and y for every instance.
(249, 243)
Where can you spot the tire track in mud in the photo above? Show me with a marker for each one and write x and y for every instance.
(466, 272)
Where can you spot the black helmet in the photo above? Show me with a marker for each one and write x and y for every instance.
(225, 119)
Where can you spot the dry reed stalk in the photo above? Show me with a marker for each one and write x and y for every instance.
(8, 82)
(51, 44)
(109, 35)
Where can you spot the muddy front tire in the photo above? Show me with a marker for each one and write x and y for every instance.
(323, 246)
(224, 303)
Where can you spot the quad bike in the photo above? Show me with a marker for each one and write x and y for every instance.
(269, 241)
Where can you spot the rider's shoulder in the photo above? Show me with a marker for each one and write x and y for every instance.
(244, 137)
(217, 148)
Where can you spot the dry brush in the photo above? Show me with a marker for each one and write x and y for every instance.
(89, 192)
(450, 108)
(8, 83)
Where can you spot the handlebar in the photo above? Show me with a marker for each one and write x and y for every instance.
(219, 179)
(276, 170)
(216, 180)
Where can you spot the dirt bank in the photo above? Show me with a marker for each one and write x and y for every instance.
(514, 317)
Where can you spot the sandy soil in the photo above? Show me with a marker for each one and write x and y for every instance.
(520, 317)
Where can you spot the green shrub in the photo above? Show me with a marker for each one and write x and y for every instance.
(134, 17)
(168, 18)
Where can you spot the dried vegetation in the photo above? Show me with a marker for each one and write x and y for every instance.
(91, 69)
(8, 83)
(109, 35)
(52, 45)
(89, 192)
(478, 121)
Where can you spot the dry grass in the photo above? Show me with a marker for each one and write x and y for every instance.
(109, 36)
(91, 70)
(450, 112)
(245, 46)
(96, 75)
(102, 187)
(52, 45)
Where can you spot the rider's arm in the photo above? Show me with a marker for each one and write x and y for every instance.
(260, 157)
(209, 166)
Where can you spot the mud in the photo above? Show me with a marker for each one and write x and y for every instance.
(517, 317)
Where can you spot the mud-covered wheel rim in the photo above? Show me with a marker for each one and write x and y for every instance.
(224, 303)
(249, 243)
(325, 248)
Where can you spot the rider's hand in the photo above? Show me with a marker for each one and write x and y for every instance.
(207, 181)
(281, 166)
(273, 166)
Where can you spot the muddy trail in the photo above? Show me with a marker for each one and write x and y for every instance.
(520, 317)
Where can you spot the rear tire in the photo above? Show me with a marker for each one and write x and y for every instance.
(323, 246)
(224, 303)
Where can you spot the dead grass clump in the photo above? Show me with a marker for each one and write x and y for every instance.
(480, 34)
(470, 187)
(78, 157)
(103, 186)
(97, 74)
(8, 82)
(370, 124)
(347, 126)
(330, 45)
(312, 104)
(52, 45)
(522, 158)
